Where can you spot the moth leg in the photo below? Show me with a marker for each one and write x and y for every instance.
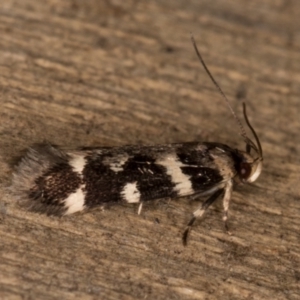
(226, 201)
(199, 213)
(140, 208)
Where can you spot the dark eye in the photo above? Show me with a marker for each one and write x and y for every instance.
(245, 170)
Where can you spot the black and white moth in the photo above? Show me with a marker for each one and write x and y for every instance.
(54, 181)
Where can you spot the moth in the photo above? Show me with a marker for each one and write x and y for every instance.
(61, 182)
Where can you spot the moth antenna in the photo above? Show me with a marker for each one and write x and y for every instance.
(258, 147)
(242, 129)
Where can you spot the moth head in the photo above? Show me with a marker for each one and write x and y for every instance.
(250, 166)
(249, 169)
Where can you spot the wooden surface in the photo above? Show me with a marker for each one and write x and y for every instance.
(121, 72)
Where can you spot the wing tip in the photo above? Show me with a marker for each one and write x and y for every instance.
(36, 161)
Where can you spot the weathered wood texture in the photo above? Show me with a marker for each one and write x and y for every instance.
(120, 72)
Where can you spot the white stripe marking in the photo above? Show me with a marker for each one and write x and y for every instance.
(75, 201)
(182, 181)
(78, 163)
(131, 193)
(118, 166)
(116, 163)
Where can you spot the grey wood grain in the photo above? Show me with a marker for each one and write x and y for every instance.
(113, 73)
